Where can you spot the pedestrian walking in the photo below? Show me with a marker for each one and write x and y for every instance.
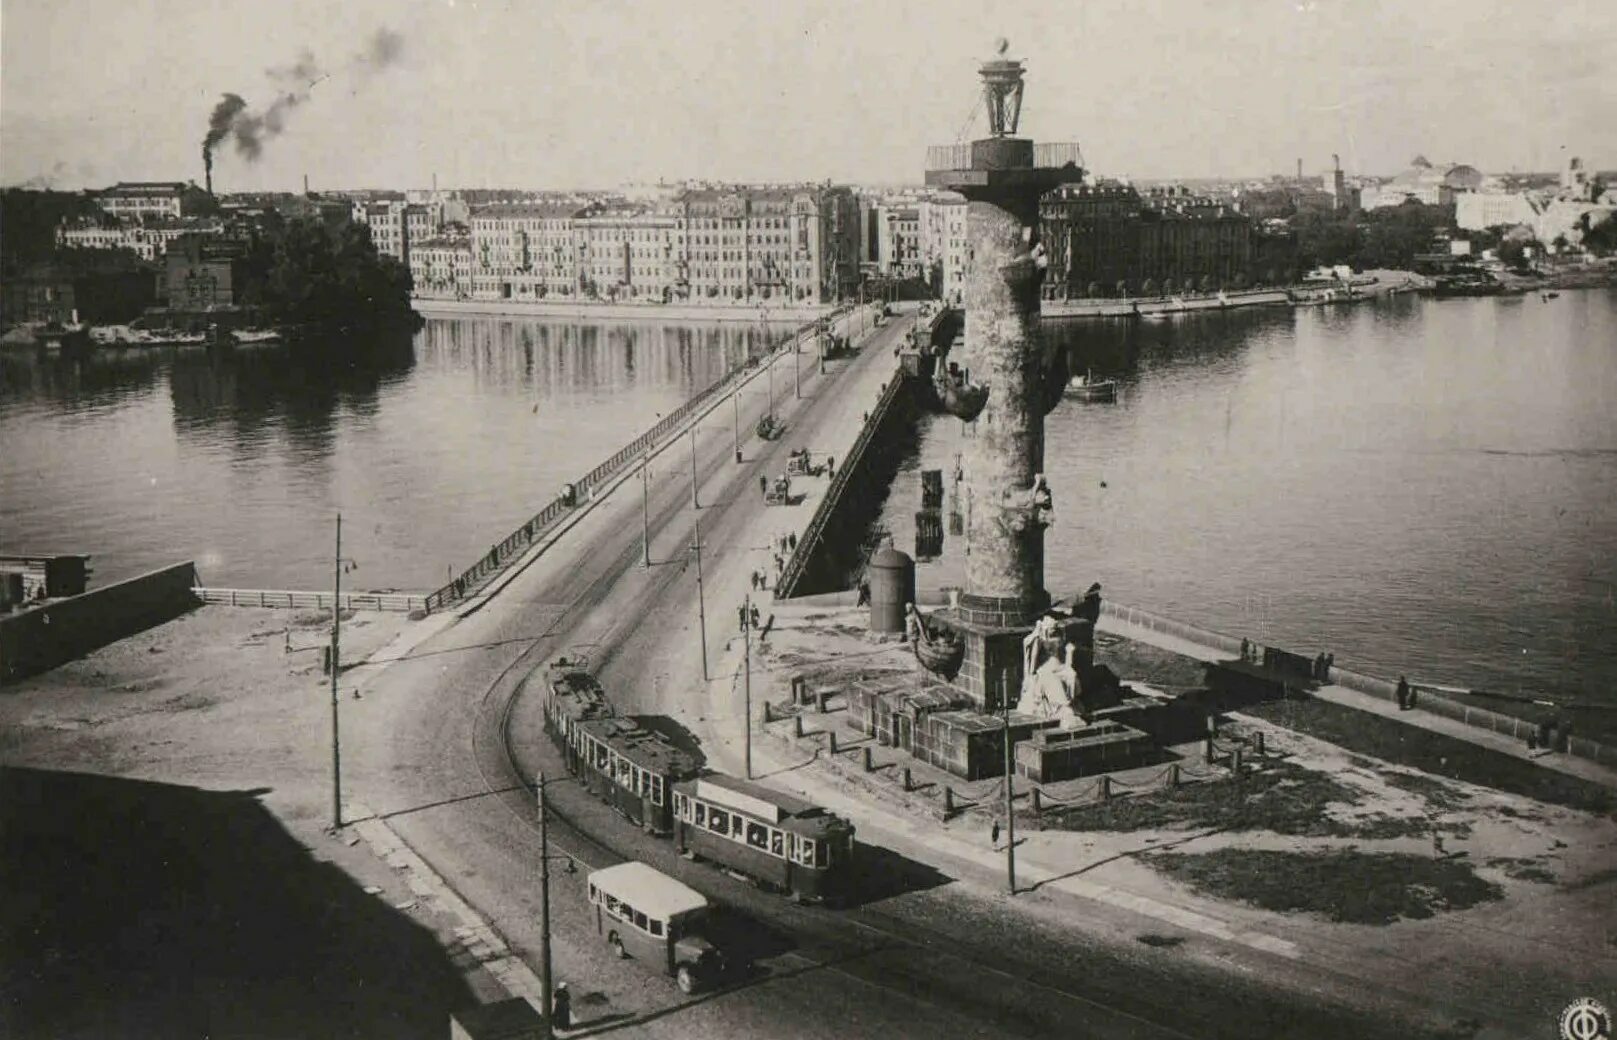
(741, 613)
(561, 1008)
(830, 465)
(1403, 694)
(864, 594)
(791, 542)
(754, 617)
(763, 486)
(993, 835)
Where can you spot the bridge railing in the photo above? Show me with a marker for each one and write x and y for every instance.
(286, 599)
(535, 528)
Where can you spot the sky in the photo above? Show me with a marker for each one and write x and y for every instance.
(597, 93)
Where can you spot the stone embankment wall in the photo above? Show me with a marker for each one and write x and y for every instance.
(43, 637)
(654, 312)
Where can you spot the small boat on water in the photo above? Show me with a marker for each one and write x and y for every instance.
(1552, 294)
(256, 335)
(1087, 388)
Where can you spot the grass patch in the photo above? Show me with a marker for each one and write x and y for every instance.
(1284, 798)
(1393, 741)
(1342, 885)
(1148, 664)
(1435, 792)
(1523, 869)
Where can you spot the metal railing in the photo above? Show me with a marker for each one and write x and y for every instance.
(792, 573)
(286, 599)
(514, 544)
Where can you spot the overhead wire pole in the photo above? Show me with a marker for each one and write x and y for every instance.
(645, 509)
(694, 503)
(746, 681)
(735, 399)
(1010, 793)
(336, 635)
(701, 605)
(544, 907)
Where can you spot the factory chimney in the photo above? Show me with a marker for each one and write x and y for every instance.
(305, 184)
(1299, 169)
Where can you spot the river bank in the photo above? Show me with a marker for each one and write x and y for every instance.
(650, 312)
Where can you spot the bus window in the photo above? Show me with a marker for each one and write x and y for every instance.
(640, 921)
(656, 927)
(757, 836)
(776, 843)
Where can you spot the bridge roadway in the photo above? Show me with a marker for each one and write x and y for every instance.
(443, 744)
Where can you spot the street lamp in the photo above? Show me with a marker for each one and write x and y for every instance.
(645, 508)
(735, 399)
(701, 599)
(746, 683)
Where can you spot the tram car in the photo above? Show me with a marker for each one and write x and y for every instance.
(631, 768)
(783, 841)
(574, 696)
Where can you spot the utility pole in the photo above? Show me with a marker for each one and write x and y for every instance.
(771, 387)
(735, 399)
(746, 682)
(701, 604)
(694, 503)
(544, 907)
(645, 509)
(797, 365)
(336, 631)
(1010, 793)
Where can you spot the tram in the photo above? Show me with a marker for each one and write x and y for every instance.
(782, 841)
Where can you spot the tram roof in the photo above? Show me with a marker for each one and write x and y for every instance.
(646, 748)
(795, 814)
(648, 889)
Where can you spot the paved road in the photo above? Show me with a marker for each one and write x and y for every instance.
(429, 749)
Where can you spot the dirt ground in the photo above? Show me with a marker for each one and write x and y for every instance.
(1322, 845)
(199, 752)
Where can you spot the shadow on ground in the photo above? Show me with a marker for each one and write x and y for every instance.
(146, 909)
(880, 873)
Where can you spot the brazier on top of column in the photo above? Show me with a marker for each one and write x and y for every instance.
(1007, 500)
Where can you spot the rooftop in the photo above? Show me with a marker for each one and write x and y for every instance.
(648, 890)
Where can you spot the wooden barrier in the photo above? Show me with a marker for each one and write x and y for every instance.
(292, 599)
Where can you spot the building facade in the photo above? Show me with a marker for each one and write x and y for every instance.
(202, 273)
(441, 268)
(523, 251)
(137, 200)
(943, 246)
(898, 243)
(1109, 240)
(148, 239)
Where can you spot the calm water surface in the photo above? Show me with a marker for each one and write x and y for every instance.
(1420, 485)
(1416, 485)
(240, 460)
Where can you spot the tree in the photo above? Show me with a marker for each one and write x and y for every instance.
(310, 274)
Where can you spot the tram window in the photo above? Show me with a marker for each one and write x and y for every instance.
(656, 790)
(718, 821)
(757, 835)
(819, 854)
(776, 843)
(701, 815)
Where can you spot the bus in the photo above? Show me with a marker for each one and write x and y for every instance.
(645, 914)
(781, 841)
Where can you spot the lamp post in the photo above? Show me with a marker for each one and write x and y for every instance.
(735, 399)
(544, 906)
(797, 366)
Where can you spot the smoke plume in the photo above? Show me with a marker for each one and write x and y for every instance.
(251, 130)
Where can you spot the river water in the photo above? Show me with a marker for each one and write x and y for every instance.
(1416, 485)
(242, 459)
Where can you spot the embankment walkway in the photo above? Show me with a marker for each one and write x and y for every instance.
(1137, 625)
